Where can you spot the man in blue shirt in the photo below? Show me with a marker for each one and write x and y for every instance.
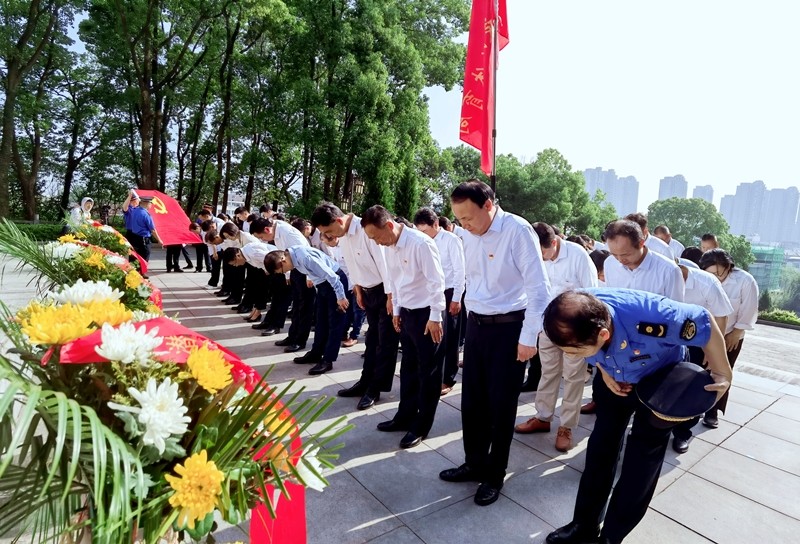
(331, 283)
(627, 335)
(140, 229)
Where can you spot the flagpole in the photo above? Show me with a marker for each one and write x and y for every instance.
(495, 52)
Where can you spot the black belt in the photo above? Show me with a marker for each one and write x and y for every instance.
(145, 239)
(373, 288)
(499, 319)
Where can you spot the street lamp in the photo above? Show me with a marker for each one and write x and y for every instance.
(358, 189)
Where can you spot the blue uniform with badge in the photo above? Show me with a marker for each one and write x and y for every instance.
(139, 226)
(649, 332)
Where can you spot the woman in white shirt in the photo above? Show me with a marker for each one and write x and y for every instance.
(742, 291)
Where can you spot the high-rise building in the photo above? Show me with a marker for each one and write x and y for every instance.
(672, 186)
(745, 214)
(622, 193)
(705, 192)
(726, 207)
(779, 215)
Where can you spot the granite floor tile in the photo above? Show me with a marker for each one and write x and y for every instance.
(401, 535)
(767, 449)
(777, 426)
(547, 490)
(738, 414)
(697, 450)
(786, 406)
(656, 528)
(752, 398)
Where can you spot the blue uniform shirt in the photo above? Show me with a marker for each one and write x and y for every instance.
(138, 221)
(650, 332)
(317, 266)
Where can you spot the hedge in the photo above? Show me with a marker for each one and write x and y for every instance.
(780, 316)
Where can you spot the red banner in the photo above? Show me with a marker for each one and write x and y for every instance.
(477, 104)
(171, 221)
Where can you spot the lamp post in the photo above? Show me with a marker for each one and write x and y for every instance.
(358, 189)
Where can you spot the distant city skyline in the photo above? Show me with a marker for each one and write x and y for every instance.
(704, 89)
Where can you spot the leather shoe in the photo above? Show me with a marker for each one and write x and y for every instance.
(321, 368)
(308, 359)
(291, 348)
(222, 293)
(410, 440)
(573, 533)
(232, 300)
(564, 439)
(486, 494)
(680, 445)
(589, 408)
(459, 474)
(284, 342)
(710, 421)
(392, 426)
(355, 390)
(533, 425)
(261, 326)
(242, 309)
(368, 400)
(270, 332)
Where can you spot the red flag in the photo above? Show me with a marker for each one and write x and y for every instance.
(477, 105)
(170, 220)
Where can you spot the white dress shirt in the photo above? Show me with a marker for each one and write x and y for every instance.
(242, 240)
(655, 274)
(571, 269)
(287, 236)
(451, 253)
(416, 274)
(676, 247)
(366, 260)
(337, 255)
(254, 253)
(505, 273)
(742, 291)
(704, 289)
(657, 245)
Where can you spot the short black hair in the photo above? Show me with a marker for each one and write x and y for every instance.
(229, 229)
(300, 224)
(204, 213)
(638, 218)
(576, 239)
(627, 228)
(252, 217)
(325, 214)
(716, 256)
(260, 225)
(402, 220)
(239, 209)
(211, 235)
(207, 225)
(692, 253)
(272, 259)
(575, 318)
(377, 216)
(426, 216)
(229, 254)
(473, 190)
(598, 257)
(545, 233)
(661, 229)
(445, 222)
(265, 208)
(708, 237)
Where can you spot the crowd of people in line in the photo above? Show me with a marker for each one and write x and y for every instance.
(528, 306)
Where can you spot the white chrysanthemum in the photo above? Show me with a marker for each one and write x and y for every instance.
(144, 291)
(127, 344)
(63, 251)
(141, 315)
(106, 228)
(306, 475)
(116, 260)
(161, 412)
(85, 291)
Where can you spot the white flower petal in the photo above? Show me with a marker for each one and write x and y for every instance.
(127, 344)
(85, 291)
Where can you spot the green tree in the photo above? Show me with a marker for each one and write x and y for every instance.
(687, 218)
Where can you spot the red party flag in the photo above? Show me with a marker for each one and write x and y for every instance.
(170, 220)
(477, 104)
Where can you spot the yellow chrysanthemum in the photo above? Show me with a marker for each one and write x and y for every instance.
(96, 260)
(153, 309)
(209, 368)
(67, 238)
(133, 280)
(196, 489)
(108, 311)
(55, 324)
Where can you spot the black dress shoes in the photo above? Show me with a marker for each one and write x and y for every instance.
(270, 331)
(355, 390)
(680, 445)
(368, 401)
(291, 348)
(243, 308)
(410, 440)
(232, 300)
(711, 421)
(487, 494)
(320, 368)
(573, 533)
(392, 426)
(261, 326)
(222, 293)
(284, 342)
(309, 358)
(460, 474)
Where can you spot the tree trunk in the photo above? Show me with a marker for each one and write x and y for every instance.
(12, 84)
(251, 178)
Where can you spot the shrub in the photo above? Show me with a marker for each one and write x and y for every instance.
(764, 302)
(780, 316)
(43, 232)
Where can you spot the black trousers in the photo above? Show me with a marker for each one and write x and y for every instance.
(216, 266)
(722, 403)
(492, 379)
(141, 244)
(302, 308)
(381, 341)
(420, 372)
(233, 279)
(330, 321)
(255, 287)
(186, 256)
(641, 466)
(281, 295)
(202, 257)
(173, 257)
(452, 328)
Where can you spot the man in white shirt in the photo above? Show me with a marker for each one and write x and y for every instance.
(569, 267)
(662, 233)
(653, 244)
(284, 236)
(507, 291)
(451, 253)
(418, 306)
(635, 266)
(366, 263)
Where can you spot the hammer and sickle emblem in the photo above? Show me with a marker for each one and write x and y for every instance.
(158, 205)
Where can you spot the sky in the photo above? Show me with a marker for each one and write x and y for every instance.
(709, 89)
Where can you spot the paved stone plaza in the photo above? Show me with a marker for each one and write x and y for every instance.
(739, 483)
